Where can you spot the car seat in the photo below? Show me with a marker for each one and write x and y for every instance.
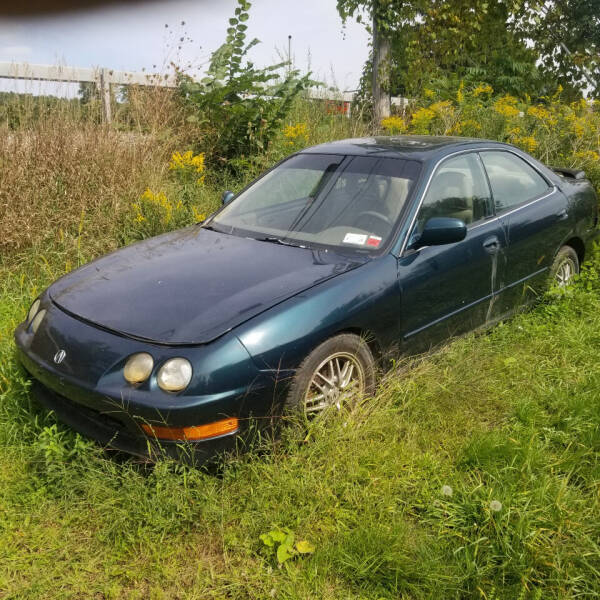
(450, 196)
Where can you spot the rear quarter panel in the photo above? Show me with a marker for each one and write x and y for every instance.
(583, 206)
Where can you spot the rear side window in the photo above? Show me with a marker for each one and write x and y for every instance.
(512, 180)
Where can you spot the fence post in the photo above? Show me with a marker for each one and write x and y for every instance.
(105, 94)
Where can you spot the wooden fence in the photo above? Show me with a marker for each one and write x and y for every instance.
(103, 78)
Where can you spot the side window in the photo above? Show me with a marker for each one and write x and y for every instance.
(512, 180)
(458, 189)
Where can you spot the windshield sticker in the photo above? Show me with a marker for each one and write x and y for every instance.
(374, 241)
(355, 238)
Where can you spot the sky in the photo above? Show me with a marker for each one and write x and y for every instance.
(135, 38)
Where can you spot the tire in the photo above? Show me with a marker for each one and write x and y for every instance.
(326, 364)
(564, 267)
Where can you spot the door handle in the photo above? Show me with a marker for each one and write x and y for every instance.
(563, 215)
(491, 245)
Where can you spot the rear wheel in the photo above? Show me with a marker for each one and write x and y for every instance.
(332, 377)
(564, 267)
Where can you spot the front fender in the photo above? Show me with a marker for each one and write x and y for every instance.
(366, 299)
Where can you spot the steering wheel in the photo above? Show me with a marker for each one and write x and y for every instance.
(370, 214)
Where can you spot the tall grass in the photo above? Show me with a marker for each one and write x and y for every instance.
(473, 473)
(511, 416)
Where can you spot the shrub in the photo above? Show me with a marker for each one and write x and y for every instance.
(184, 204)
(556, 132)
(241, 108)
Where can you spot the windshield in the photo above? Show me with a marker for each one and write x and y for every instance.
(342, 201)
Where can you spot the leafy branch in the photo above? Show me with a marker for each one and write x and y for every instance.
(244, 105)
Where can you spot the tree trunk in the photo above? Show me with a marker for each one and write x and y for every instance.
(381, 74)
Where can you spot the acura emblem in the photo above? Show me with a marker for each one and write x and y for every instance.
(59, 356)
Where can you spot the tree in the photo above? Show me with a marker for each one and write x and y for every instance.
(566, 36)
(442, 42)
(380, 71)
(473, 42)
(385, 19)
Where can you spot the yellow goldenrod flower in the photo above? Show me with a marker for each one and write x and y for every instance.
(460, 97)
(441, 107)
(528, 143)
(579, 126)
(198, 215)
(543, 114)
(293, 132)
(421, 119)
(456, 129)
(470, 124)
(587, 156)
(187, 161)
(393, 125)
(506, 106)
(483, 89)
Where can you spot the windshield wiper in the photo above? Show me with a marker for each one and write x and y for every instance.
(276, 240)
(211, 227)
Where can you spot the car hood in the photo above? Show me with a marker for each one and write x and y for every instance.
(192, 285)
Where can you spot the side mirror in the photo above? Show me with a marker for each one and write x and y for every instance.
(227, 197)
(442, 230)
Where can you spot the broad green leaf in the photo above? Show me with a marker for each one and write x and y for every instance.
(305, 547)
(278, 536)
(284, 552)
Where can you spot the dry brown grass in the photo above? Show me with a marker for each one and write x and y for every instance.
(65, 176)
(54, 176)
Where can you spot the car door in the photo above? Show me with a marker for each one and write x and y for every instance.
(533, 214)
(449, 289)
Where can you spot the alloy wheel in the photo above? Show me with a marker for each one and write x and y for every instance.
(565, 272)
(338, 379)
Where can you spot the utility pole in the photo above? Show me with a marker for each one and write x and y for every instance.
(289, 54)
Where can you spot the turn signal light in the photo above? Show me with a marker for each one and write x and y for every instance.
(192, 433)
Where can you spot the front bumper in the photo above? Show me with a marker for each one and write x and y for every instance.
(87, 391)
(111, 432)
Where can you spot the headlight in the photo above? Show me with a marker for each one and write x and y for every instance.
(175, 375)
(37, 320)
(138, 367)
(33, 311)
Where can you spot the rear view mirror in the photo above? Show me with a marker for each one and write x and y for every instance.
(442, 230)
(227, 197)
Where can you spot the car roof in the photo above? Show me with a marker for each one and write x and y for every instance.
(416, 147)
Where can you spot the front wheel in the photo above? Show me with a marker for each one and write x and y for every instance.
(332, 377)
(564, 267)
